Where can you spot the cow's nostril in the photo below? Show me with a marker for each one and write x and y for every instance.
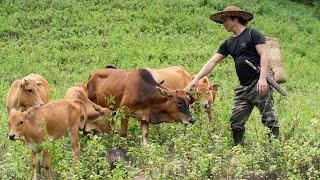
(191, 121)
(41, 104)
(11, 136)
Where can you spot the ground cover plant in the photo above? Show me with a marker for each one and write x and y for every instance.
(66, 40)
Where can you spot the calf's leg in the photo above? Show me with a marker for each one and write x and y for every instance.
(47, 163)
(144, 131)
(209, 111)
(124, 127)
(35, 165)
(75, 142)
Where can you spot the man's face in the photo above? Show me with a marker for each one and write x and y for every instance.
(228, 23)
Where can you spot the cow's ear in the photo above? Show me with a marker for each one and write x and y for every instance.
(23, 83)
(214, 87)
(31, 113)
(164, 92)
(13, 110)
(204, 80)
(81, 84)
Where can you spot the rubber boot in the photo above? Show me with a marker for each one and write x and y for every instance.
(274, 132)
(237, 137)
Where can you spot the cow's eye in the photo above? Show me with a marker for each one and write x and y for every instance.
(21, 122)
(180, 103)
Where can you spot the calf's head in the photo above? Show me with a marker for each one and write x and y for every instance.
(18, 124)
(29, 93)
(205, 92)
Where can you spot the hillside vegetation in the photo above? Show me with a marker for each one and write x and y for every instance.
(66, 40)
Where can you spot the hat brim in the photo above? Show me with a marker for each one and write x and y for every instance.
(218, 17)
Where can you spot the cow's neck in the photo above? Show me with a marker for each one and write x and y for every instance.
(159, 109)
(160, 117)
(33, 133)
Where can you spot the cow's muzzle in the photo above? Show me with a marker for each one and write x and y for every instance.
(206, 106)
(189, 121)
(12, 137)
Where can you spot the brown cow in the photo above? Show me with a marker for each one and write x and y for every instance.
(92, 111)
(29, 91)
(142, 95)
(48, 122)
(177, 78)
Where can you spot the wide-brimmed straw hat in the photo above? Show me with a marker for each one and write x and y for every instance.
(231, 11)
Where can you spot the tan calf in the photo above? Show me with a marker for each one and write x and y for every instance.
(48, 122)
(29, 91)
(92, 111)
(206, 94)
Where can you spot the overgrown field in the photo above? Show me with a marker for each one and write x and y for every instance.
(66, 40)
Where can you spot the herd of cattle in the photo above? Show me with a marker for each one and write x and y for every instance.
(152, 95)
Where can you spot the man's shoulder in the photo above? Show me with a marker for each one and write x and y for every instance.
(253, 31)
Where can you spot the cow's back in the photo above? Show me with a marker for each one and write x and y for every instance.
(174, 77)
(115, 88)
(107, 84)
(60, 116)
(13, 94)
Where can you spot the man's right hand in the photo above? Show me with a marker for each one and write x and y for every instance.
(192, 85)
(206, 69)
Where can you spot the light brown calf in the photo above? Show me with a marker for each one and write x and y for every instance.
(48, 122)
(29, 91)
(92, 111)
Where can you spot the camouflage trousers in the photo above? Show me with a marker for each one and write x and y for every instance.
(246, 98)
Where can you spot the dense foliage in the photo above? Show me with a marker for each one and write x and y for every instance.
(308, 2)
(66, 40)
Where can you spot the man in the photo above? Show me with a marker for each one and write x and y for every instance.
(245, 44)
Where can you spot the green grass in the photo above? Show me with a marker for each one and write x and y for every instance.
(67, 40)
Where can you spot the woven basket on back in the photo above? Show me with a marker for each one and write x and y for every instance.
(275, 62)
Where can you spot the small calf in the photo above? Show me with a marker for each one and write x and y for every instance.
(27, 92)
(92, 111)
(48, 122)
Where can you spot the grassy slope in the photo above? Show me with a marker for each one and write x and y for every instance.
(66, 40)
